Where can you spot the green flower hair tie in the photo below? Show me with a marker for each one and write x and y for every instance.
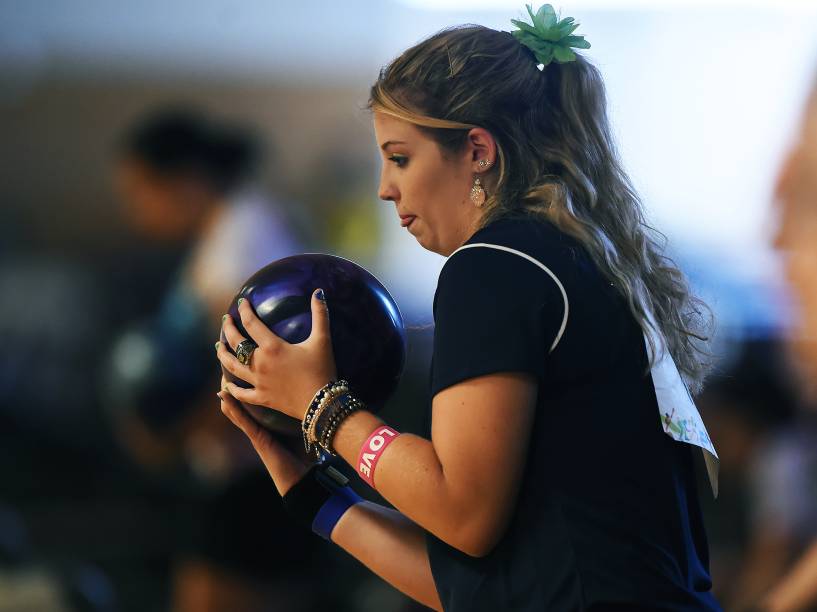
(549, 37)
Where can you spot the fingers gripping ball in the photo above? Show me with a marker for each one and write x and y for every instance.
(368, 337)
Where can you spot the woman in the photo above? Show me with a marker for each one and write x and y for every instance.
(546, 481)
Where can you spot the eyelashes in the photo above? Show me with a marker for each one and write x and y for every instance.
(398, 160)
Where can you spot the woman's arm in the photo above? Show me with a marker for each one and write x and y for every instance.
(391, 546)
(462, 484)
(382, 539)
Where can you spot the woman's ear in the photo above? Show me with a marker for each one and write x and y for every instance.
(481, 149)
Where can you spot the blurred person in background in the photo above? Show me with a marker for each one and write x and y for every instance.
(188, 178)
(792, 461)
(185, 176)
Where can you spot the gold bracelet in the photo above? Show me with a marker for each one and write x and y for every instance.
(340, 411)
(309, 417)
(333, 392)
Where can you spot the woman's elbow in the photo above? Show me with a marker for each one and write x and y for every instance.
(477, 549)
(479, 538)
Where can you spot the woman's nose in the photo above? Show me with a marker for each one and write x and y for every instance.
(386, 191)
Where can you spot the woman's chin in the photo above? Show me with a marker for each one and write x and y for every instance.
(423, 243)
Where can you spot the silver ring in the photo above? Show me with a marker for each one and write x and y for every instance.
(244, 350)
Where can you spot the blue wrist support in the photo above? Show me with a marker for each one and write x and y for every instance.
(331, 511)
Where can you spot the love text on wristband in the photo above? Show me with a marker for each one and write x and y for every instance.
(371, 451)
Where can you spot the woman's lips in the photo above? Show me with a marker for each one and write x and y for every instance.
(406, 221)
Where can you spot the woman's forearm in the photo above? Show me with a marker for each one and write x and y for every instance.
(391, 546)
(409, 475)
(382, 539)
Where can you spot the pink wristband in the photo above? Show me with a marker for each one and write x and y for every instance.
(372, 449)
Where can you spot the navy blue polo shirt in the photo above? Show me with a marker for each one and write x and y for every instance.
(607, 511)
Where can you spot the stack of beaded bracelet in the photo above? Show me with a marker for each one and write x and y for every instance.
(326, 428)
(318, 404)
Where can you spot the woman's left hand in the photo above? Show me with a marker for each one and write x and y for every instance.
(285, 377)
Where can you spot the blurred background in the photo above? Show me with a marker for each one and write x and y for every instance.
(140, 139)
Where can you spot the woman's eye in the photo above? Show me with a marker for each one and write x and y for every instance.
(399, 160)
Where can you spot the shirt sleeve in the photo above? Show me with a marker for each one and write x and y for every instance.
(494, 311)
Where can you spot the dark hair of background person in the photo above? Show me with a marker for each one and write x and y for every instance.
(183, 141)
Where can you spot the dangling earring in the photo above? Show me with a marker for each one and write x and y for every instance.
(477, 193)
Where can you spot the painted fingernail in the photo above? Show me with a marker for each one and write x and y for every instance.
(240, 300)
(218, 344)
(320, 295)
(224, 318)
(218, 395)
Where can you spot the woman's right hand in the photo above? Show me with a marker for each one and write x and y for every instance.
(282, 464)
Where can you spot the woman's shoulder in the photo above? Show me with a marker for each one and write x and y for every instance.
(503, 246)
(532, 235)
(508, 258)
(518, 226)
(489, 295)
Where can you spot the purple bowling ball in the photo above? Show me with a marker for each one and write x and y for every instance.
(368, 336)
